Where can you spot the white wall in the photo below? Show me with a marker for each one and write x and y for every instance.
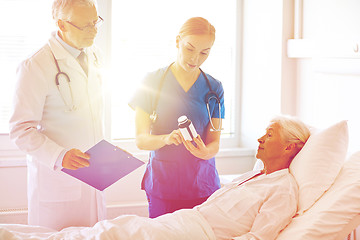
(329, 73)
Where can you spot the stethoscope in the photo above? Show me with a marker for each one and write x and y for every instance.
(210, 95)
(61, 74)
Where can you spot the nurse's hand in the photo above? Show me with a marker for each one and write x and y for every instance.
(199, 150)
(173, 138)
(75, 159)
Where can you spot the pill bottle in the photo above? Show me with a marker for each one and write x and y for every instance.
(186, 128)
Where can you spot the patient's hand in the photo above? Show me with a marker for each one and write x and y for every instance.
(75, 159)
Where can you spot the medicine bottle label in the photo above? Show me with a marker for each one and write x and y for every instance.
(186, 128)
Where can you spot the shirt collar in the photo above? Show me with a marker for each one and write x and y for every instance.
(279, 172)
(73, 51)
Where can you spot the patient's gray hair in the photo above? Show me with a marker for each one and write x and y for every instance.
(293, 130)
(61, 8)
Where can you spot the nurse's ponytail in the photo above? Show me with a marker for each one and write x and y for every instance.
(197, 26)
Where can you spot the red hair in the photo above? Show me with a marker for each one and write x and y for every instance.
(197, 26)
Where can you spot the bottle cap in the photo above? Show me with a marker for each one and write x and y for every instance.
(182, 119)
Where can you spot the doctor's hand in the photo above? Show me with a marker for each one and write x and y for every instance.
(173, 138)
(75, 159)
(199, 150)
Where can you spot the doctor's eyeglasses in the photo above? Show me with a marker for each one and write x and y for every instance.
(88, 28)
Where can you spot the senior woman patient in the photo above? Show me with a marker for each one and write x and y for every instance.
(257, 205)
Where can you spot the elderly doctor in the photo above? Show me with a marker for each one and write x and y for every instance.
(56, 117)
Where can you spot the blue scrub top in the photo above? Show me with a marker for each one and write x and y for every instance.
(173, 172)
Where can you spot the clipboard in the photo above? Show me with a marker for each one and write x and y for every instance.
(108, 164)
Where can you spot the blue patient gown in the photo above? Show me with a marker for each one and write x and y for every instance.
(173, 173)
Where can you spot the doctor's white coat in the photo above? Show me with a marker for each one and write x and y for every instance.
(42, 126)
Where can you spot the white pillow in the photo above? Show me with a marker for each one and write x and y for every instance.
(330, 216)
(316, 166)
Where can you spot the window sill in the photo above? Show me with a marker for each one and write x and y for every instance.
(18, 160)
(15, 158)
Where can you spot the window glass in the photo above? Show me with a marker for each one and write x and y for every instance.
(143, 40)
(25, 27)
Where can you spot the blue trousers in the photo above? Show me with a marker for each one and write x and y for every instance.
(158, 206)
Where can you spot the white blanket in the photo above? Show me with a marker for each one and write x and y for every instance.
(183, 224)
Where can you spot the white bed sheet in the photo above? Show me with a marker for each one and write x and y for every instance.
(182, 225)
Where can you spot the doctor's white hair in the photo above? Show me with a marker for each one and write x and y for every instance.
(61, 8)
(293, 130)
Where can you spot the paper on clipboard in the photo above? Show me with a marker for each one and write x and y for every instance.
(108, 164)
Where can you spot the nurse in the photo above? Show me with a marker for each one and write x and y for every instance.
(55, 119)
(180, 174)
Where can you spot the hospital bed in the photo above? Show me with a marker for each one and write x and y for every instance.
(335, 215)
(329, 200)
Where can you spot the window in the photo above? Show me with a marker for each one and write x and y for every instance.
(143, 40)
(22, 32)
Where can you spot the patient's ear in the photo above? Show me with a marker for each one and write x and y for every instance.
(291, 149)
(291, 146)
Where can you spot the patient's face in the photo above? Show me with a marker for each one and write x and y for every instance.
(271, 145)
